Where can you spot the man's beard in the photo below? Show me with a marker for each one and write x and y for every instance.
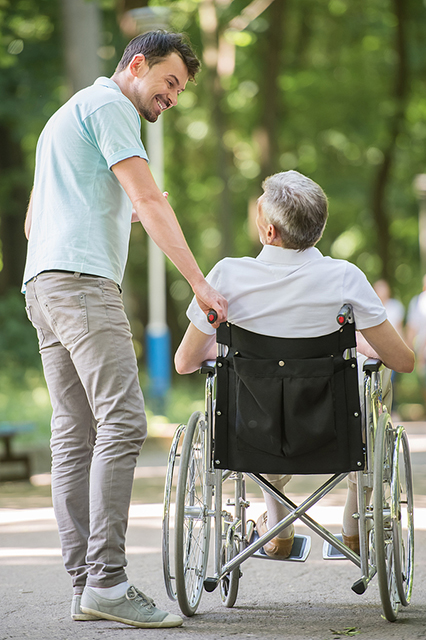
(147, 114)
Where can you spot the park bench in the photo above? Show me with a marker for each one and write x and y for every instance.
(20, 463)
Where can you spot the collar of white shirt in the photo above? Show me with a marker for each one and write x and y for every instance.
(279, 255)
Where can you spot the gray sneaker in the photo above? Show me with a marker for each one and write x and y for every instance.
(133, 608)
(76, 612)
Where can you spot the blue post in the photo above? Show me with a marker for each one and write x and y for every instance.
(158, 358)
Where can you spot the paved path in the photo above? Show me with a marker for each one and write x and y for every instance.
(310, 601)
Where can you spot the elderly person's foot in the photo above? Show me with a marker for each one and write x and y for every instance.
(279, 548)
(351, 541)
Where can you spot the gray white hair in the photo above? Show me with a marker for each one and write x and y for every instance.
(297, 207)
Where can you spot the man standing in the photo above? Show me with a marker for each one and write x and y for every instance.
(91, 169)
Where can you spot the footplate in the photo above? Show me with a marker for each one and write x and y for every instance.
(331, 553)
(299, 551)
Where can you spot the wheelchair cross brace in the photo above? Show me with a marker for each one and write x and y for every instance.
(297, 512)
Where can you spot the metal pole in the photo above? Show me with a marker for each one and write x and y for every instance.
(157, 331)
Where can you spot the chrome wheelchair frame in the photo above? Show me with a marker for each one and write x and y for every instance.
(385, 510)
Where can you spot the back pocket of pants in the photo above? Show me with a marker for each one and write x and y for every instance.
(68, 315)
(40, 334)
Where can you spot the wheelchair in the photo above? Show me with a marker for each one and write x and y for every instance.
(287, 406)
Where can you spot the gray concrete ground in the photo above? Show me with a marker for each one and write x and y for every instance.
(309, 601)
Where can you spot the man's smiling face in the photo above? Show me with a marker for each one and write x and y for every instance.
(156, 88)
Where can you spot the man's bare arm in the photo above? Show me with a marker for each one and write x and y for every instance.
(28, 218)
(196, 347)
(390, 347)
(160, 222)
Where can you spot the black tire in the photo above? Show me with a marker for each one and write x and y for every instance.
(402, 517)
(232, 527)
(228, 586)
(383, 530)
(193, 515)
(168, 551)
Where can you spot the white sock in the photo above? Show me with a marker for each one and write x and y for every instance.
(117, 591)
(276, 510)
(276, 513)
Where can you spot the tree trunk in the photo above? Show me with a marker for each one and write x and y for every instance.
(82, 26)
(400, 93)
(210, 30)
(272, 110)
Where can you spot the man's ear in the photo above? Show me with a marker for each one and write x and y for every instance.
(137, 62)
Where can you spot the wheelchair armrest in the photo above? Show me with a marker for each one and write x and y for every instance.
(372, 364)
(208, 367)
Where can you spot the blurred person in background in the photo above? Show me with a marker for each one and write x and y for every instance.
(416, 335)
(395, 310)
(396, 313)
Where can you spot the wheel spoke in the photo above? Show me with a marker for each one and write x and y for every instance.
(384, 530)
(192, 526)
(402, 517)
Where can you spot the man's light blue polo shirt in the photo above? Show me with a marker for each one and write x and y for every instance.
(81, 215)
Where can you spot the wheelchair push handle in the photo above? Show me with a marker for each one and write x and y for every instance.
(211, 316)
(345, 315)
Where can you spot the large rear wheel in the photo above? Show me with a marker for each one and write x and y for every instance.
(193, 515)
(383, 530)
(168, 542)
(402, 509)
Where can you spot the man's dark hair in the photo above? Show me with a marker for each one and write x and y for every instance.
(157, 45)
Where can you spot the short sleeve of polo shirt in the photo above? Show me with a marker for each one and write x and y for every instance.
(367, 306)
(114, 128)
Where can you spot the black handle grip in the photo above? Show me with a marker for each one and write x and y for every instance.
(211, 316)
(344, 315)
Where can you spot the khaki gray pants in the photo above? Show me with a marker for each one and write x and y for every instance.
(98, 421)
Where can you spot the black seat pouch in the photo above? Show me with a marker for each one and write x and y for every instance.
(294, 410)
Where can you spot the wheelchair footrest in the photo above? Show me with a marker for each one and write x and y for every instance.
(299, 552)
(331, 553)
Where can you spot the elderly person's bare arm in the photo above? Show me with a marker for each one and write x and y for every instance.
(196, 347)
(390, 347)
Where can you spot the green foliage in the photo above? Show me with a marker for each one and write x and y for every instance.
(31, 86)
(23, 393)
(18, 341)
(333, 103)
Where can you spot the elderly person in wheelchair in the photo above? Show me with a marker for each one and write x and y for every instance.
(290, 290)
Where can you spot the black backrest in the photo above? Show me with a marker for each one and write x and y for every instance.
(287, 405)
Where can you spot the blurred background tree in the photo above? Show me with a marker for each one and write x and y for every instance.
(333, 88)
